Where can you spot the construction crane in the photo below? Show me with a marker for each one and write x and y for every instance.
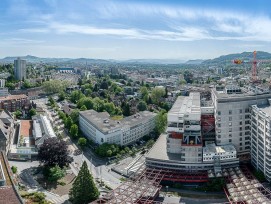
(254, 62)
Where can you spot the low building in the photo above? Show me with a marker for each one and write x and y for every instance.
(6, 130)
(8, 187)
(13, 102)
(30, 135)
(211, 151)
(4, 92)
(101, 128)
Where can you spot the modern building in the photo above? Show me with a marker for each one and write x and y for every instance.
(101, 128)
(189, 144)
(232, 115)
(65, 70)
(13, 102)
(261, 138)
(20, 69)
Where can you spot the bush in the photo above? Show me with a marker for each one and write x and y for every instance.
(14, 169)
(82, 141)
(53, 174)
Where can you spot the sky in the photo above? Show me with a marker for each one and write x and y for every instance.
(127, 29)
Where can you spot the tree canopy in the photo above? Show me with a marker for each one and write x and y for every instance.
(54, 152)
(83, 190)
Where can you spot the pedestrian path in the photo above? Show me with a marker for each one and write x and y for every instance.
(59, 200)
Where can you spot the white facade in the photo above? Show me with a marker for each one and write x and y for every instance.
(2, 83)
(232, 118)
(20, 69)
(224, 152)
(261, 139)
(99, 128)
(184, 129)
(4, 92)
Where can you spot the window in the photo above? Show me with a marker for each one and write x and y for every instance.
(240, 139)
(218, 136)
(230, 130)
(240, 128)
(240, 148)
(247, 110)
(230, 140)
(230, 112)
(230, 135)
(240, 111)
(219, 112)
(219, 125)
(230, 118)
(241, 144)
(240, 134)
(230, 124)
(240, 117)
(240, 123)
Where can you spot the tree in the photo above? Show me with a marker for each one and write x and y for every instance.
(161, 122)
(82, 141)
(69, 122)
(56, 173)
(32, 112)
(75, 115)
(144, 93)
(54, 152)
(83, 108)
(14, 169)
(74, 130)
(55, 86)
(87, 101)
(126, 109)
(61, 96)
(76, 96)
(83, 189)
(142, 106)
(18, 113)
(156, 94)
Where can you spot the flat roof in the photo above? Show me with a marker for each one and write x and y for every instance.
(159, 150)
(265, 109)
(212, 148)
(26, 128)
(187, 105)
(13, 97)
(105, 123)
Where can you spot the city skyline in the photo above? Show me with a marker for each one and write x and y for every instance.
(134, 29)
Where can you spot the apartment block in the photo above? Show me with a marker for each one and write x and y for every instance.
(101, 128)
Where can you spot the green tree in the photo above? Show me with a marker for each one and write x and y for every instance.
(126, 109)
(144, 93)
(82, 142)
(87, 101)
(61, 96)
(18, 113)
(156, 94)
(75, 115)
(161, 122)
(142, 106)
(32, 112)
(83, 108)
(76, 96)
(69, 122)
(55, 86)
(83, 189)
(74, 130)
(14, 169)
(56, 173)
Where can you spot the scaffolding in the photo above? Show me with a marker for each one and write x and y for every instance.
(142, 187)
(243, 188)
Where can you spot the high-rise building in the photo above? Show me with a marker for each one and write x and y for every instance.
(261, 138)
(20, 69)
(232, 115)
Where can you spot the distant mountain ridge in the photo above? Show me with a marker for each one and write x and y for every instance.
(244, 56)
(222, 59)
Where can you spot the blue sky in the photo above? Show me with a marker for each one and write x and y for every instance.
(154, 29)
